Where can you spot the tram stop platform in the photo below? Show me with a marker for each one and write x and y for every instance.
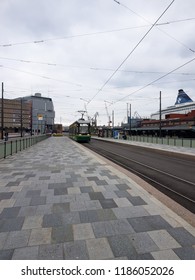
(58, 200)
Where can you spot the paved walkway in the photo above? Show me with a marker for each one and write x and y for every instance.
(59, 201)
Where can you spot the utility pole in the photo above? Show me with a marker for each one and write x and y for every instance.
(160, 118)
(130, 119)
(2, 111)
(127, 112)
(21, 118)
(113, 118)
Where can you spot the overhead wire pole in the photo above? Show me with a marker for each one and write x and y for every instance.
(126, 58)
(160, 117)
(130, 119)
(2, 111)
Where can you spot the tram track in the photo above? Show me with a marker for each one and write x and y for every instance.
(177, 188)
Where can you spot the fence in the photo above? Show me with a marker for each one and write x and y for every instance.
(11, 147)
(179, 142)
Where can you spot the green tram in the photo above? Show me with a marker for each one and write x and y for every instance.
(80, 131)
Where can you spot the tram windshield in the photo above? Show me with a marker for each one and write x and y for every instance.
(83, 128)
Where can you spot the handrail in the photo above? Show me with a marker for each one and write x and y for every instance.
(10, 147)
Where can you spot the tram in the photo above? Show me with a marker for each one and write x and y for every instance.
(80, 131)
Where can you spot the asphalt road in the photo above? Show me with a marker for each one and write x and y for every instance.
(171, 173)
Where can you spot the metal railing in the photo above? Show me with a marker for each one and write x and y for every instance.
(10, 147)
(178, 142)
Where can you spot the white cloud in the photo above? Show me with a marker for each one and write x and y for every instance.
(39, 31)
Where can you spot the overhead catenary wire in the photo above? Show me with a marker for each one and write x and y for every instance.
(156, 80)
(132, 51)
(146, 20)
(12, 44)
(41, 76)
(86, 67)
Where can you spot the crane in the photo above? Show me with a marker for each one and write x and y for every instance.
(109, 121)
(94, 119)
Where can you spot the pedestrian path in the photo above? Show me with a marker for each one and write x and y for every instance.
(60, 201)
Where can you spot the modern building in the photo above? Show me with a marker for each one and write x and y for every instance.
(43, 113)
(15, 116)
(183, 105)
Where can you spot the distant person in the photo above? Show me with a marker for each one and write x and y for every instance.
(6, 136)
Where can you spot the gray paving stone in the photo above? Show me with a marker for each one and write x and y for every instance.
(83, 231)
(122, 202)
(92, 205)
(61, 207)
(108, 203)
(109, 228)
(51, 199)
(136, 200)
(86, 189)
(99, 249)
(56, 185)
(18, 173)
(6, 254)
(22, 202)
(40, 236)
(143, 243)
(27, 211)
(123, 187)
(77, 206)
(185, 253)
(3, 237)
(60, 191)
(109, 194)
(163, 239)
(122, 247)
(38, 200)
(52, 220)
(44, 178)
(93, 178)
(101, 182)
(62, 234)
(70, 218)
(182, 236)
(51, 252)
(33, 193)
(96, 195)
(88, 216)
(165, 255)
(148, 223)
(17, 239)
(106, 215)
(122, 193)
(56, 171)
(130, 212)
(26, 253)
(12, 224)
(6, 195)
(31, 222)
(11, 184)
(11, 212)
(41, 210)
(76, 250)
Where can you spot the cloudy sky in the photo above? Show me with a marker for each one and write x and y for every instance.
(97, 54)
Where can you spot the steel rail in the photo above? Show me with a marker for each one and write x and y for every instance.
(145, 176)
